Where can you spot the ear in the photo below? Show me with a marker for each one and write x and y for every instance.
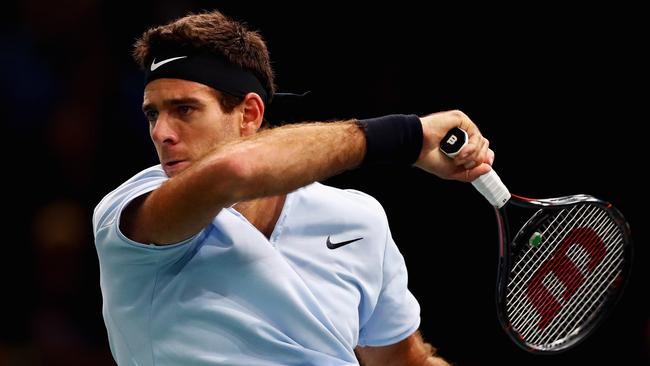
(253, 114)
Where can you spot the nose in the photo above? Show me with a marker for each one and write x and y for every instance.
(163, 132)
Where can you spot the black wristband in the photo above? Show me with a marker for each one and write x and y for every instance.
(392, 139)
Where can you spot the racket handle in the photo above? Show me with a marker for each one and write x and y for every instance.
(492, 188)
(488, 184)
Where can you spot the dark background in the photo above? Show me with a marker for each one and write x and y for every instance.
(561, 94)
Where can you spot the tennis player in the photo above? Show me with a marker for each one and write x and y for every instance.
(229, 252)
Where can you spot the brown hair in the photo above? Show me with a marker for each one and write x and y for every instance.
(215, 33)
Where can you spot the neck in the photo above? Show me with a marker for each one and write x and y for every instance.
(263, 212)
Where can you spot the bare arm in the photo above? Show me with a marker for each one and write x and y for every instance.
(411, 351)
(278, 161)
(271, 162)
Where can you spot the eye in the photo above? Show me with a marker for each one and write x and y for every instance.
(151, 115)
(185, 110)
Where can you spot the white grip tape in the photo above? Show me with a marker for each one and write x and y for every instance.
(491, 187)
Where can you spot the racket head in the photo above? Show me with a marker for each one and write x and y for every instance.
(562, 272)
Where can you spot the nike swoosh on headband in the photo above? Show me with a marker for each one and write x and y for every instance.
(155, 65)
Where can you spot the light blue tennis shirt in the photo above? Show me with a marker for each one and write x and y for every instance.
(231, 296)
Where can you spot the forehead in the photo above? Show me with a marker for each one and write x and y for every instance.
(176, 89)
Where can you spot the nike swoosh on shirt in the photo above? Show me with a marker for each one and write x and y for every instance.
(340, 244)
(155, 65)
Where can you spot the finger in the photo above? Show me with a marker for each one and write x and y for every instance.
(474, 135)
(490, 157)
(469, 165)
(481, 154)
(469, 175)
(465, 123)
(477, 171)
(478, 156)
(465, 155)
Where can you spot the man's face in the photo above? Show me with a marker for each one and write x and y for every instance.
(185, 122)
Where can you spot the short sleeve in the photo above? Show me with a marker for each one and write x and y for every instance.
(112, 245)
(397, 312)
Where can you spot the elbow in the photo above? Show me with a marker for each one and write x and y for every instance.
(236, 173)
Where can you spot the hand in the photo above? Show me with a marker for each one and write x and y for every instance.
(474, 160)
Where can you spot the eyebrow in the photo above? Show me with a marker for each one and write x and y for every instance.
(173, 102)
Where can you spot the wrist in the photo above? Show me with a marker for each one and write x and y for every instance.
(392, 139)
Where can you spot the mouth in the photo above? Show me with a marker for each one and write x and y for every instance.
(174, 166)
(172, 163)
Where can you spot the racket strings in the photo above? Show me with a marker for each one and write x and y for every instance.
(556, 287)
(587, 300)
(524, 267)
(582, 305)
(593, 226)
(585, 305)
(519, 308)
(533, 261)
(530, 261)
(582, 263)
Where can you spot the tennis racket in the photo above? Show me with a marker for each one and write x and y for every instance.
(562, 265)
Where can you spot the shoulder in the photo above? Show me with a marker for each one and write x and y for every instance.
(143, 182)
(351, 196)
(345, 202)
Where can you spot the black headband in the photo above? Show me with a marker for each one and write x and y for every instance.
(210, 70)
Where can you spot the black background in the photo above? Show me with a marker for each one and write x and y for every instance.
(560, 93)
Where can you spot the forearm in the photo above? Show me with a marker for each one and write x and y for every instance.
(412, 351)
(280, 160)
(416, 357)
(270, 162)
(277, 161)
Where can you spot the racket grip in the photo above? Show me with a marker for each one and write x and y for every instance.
(492, 188)
(488, 184)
